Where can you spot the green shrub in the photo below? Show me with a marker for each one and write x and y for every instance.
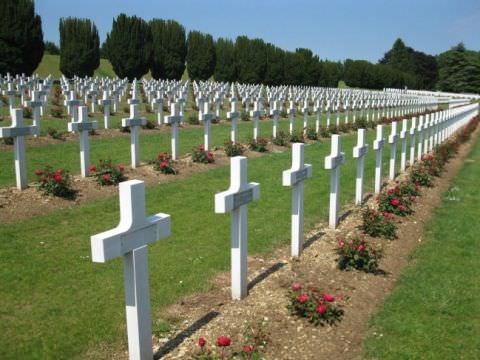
(259, 145)
(233, 149)
(281, 139)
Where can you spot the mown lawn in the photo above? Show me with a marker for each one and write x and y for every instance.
(434, 312)
(57, 304)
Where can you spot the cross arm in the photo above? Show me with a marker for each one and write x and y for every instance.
(291, 177)
(229, 200)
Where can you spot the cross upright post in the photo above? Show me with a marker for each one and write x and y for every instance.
(235, 200)
(233, 116)
(413, 130)
(378, 147)
(174, 119)
(359, 153)
(36, 105)
(275, 112)
(206, 117)
(106, 103)
(157, 104)
(295, 177)
(305, 115)
(255, 114)
(420, 139)
(392, 140)
(291, 115)
(134, 122)
(334, 162)
(403, 138)
(130, 240)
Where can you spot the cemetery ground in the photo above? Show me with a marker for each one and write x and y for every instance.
(70, 307)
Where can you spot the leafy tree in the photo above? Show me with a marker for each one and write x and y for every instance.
(294, 68)
(200, 55)
(274, 74)
(79, 47)
(251, 59)
(169, 49)
(225, 60)
(311, 69)
(128, 46)
(51, 48)
(330, 73)
(21, 37)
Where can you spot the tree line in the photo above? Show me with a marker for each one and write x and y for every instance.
(135, 47)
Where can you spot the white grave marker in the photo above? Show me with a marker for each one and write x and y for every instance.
(403, 138)
(233, 117)
(130, 239)
(392, 140)
(174, 119)
(134, 122)
(36, 104)
(206, 117)
(378, 147)
(359, 153)
(333, 162)
(413, 130)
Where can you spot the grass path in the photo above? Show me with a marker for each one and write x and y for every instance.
(434, 312)
(56, 302)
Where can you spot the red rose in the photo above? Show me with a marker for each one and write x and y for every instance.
(412, 198)
(328, 297)
(224, 341)
(395, 202)
(341, 243)
(163, 164)
(106, 177)
(361, 247)
(202, 342)
(390, 191)
(303, 298)
(296, 286)
(93, 168)
(57, 177)
(247, 349)
(321, 309)
(402, 208)
(38, 172)
(121, 168)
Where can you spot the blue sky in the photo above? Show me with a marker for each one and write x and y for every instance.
(334, 29)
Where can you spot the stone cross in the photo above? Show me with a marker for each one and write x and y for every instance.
(403, 138)
(318, 111)
(378, 147)
(174, 119)
(295, 178)
(129, 240)
(291, 115)
(11, 93)
(255, 114)
(83, 126)
(359, 153)
(73, 104)
(18, 131)
(427, 129)
(392, 140)
(333, 162)
(235, 200)
(233, 117)
(413, 130)
(275, 112)
(206, 117)
(305, 115)
(134, 122)
(157, 104)
(106, 102)
(36, 104)
(420, 139)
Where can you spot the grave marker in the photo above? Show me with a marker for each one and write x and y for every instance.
(233, 117)
(333, 162)
(206, 117)
(134, 122)
(378, 147)
(359, 153)
(174, 119)
(413, 130)
(403, 138)
(392, 140)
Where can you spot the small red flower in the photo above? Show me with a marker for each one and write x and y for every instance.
(93, 168)
(106, 177)
(321, 309)
(361, 247)
(163, 164)
(38, 172)
(328, 297)
(247, 349)
(395, 202)
(402, 208)
(223, 341)
(296, 286)
(202, 342)
(303, 298)
(413, 198)
(121, 168)
(57, 177)
(341, 243)
(390, 191)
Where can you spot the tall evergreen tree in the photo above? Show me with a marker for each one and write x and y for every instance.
(79, 47)
(251, 59)
(225, 60)
(200, 55)
(274, 75)
(169, 49)
(128, 46)
(21, 37)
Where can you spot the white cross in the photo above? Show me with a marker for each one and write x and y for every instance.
(11, 93)
(413, 130)
(426, 133)
(129, 240)
(291, 115)
(392, 140)
(233, 117)
(83, 126)
(378, 147)
(206, 117)
(403, 138)
(333, 162)
(36, 105)
(18, 131)
(174, 119)
(318, 111)
(134, 122)
(420, 139)
(305, 115)
(255, 114)
(275, 112)
(359, 153)
(157, 104)
(72, 105)
(106, 102)
(295, 177)
(235, 200)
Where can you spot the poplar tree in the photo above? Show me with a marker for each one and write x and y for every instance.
(200, 55)
(225, 60)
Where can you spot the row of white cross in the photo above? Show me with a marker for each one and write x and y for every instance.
(135, 231)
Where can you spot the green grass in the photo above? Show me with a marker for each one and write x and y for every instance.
(50, 64)
(57, 304)
(434, 312)
(66, 155)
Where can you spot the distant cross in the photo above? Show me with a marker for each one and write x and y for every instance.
(334, 162)
(413, 130)
(174, 119)
(275, 112)
(36, 104)
(359, 153)
(129, 240)
(305, 115)
(318, 110)
(106, 103)
(392, 140)
(291, 115)
(73, 104)
(235, 200)
(233, 117)
(134, 122)
(426, 132)
(157, 104)
(403, 138)
(420, 139)
(206, 117)
(83, 126)
(378, 145)
(255, 114)
(295, 178)
(11, 93)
